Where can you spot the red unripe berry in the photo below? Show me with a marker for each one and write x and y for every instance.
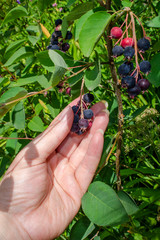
(127, 42)
(116, 32)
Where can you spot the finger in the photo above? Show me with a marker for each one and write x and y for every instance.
(86, 170)
(72, 141)
(100, 122)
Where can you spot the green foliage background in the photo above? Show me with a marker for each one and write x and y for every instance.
(29, 75)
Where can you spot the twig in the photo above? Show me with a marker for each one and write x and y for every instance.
(8, 71)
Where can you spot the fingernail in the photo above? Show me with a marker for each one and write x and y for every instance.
(105, 103)
(106, 111)
(100, 131)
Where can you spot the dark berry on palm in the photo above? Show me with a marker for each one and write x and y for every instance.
(65, 47)
(88, 98)
(124, 69)
(116, 32)
(128, 82)
(117, 51)
(143, 44)
(58, 22)
(76, 118)
(68, 35)
(75, 109)
(83, 123)
(88, 113)
(133, 92)
(144, 84)
(129, 52)
(75, 127)
(145, 66)
(80, 132)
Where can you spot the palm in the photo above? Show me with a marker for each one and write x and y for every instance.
(46, 189)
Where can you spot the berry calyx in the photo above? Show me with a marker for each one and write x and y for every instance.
(127, 42)
(116, 32)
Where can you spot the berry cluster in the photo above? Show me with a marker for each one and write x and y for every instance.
(57, 42)
(83, 117)
(132, 78)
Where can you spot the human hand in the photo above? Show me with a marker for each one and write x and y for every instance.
(42, 189)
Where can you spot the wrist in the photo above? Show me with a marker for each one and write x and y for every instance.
(10, 228)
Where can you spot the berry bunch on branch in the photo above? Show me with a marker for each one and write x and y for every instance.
(132, 72)
(57, 41)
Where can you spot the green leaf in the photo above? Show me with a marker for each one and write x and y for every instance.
(128, 203)
(57, 75)
(20, 54)
(81, 229)
(45, 60)
(73, 80)
(12, 94)
(57, 59)
(92, 30)
(154, 75)
(13, 47)
(18, 116)
(80, 22)
(36, 124)
(12, 143)
(93, 77)
(126, 3)
(43, 4)
(79, 10)
(155, 22)
(41, 79)
(102, 206)
(15, 13)
(70, 2)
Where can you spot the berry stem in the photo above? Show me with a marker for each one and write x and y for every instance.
(81, 101)
(126, 24)
(141, 55)
(135, 44)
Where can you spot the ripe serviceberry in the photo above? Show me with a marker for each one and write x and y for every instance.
(75, 109)
(145, 67)
(128, 82)
(65, 47)
(129, 52)
(88, 113)
(144, 84)
(143, 44)
(76, 118)
(124, 69)
(133, 92)
(88, 98)
(116, 32)
(58, 22)
(127, 42)
(68, 35)
(117, 51)
(75, 127)
(83, 123)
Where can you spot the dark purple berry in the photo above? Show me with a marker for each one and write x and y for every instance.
(124, 69)
(128, 82)
(75, 109)
(133, 92)
(56, 34)
(75, 127)
(129, 52)
(80, 132)
(88, 113)
(76, 118)
(145, 66)
(68, 35)
(144, 84)
(143, 44)
(55, 47)
(88, 98)
(58, 22)
(83, 123)
(117, 51)
(54, 41)
(65, 47)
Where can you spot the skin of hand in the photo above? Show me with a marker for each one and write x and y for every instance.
(41, 191)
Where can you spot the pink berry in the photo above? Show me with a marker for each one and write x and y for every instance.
(116, 32)
(127, 42)
(68, 91)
